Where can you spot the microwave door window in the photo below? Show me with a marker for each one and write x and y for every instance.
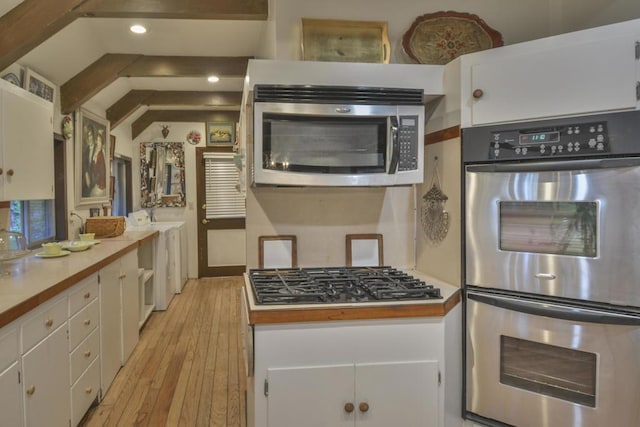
(325, 145)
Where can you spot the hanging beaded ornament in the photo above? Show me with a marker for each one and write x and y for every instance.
(435, 219)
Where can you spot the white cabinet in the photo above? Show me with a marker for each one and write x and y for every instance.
(362, 394)
(45, 370)
(11, 413)
(129, 287)
(589, 71)
(26, 145)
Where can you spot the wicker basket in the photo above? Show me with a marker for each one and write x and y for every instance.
(105, 226)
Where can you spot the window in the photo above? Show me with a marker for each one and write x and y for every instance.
(223, 196)
(33, 218)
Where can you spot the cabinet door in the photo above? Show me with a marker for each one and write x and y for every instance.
(311, 396)
(45, 369)
(27, 144)
(129, 285)
(11, 401)
(110, 324)
(397, 394)
(589, 77)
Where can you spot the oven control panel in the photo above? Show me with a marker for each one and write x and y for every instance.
(568, 140)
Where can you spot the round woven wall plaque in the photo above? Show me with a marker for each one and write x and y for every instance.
(437, 38)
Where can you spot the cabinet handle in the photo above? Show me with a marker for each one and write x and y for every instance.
(122, 276)
(348, 407)
(31, 389)
(87, 353)
(205, 221)
(87, 295)
(364, 406)
(1, 171)
(87, 322)
(477, 94)
(10, 172)
(88, 390)
(49, 323)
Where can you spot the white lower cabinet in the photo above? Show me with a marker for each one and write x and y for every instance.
(45, 373)
(363, 394)
(11, 396)
(85, 391)
(130, 314)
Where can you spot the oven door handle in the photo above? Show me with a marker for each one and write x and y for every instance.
(562, 165)
(556, 311)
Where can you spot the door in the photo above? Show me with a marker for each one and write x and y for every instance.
(110, 324)
(129, 289)
(311, 396)
(221, 215)
(538, 227)
(529, 369)
(401, 394)
(11, 402)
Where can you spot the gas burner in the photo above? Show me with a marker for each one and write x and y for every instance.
(338, 285)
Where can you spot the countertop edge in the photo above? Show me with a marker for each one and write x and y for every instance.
(40, 298)
(291, 315)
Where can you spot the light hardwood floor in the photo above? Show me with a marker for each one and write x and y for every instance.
(187, 369)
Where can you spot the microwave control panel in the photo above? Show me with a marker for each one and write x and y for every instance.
(408, 142)
(568, 140)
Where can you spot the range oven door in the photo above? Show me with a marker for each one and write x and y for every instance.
(534, 363)
(565, 228)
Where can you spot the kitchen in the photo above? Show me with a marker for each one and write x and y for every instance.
(311, 206)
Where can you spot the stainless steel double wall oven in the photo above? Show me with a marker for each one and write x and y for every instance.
(552, 272)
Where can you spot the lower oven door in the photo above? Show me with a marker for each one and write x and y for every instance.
(535, 363)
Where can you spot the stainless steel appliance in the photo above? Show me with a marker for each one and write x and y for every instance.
(337, 285)
(551, 247)
(338, 136)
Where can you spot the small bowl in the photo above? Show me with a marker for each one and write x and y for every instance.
(52, 248)
(77, 245)
(87, 237)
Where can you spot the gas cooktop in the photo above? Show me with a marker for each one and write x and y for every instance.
(337, 285)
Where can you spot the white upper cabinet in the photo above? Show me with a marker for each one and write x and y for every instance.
(26, 145)
(584, 72)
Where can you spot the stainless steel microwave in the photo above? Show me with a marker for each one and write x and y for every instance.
(338, 136)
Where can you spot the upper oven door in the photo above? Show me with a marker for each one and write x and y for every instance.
(562, 228)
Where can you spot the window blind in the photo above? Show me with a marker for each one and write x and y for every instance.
(222, 195)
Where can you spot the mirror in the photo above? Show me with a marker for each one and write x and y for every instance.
(162, 174)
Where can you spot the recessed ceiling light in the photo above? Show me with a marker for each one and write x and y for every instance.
(138, 29)
(213, 79)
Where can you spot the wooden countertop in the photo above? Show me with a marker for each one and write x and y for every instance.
(34, 280)
(263, 314)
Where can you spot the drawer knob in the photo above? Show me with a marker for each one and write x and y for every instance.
(364, 406)
(88, 390)
(87, 295)
(477, 94)
(10, 172)
(49, 323)
(87, 353)
(31, 389)
(87, 322)
(348, 407)
(1, 171)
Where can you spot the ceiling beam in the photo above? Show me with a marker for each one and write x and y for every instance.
(151, 116)
(134, 99)
(111, 66)
(192, 9)
(30, 23)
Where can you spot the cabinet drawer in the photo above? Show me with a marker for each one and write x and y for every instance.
(43, 322)
(84, 392)
(86, 353)
(8, 347)
(85, 292)
(83, 323)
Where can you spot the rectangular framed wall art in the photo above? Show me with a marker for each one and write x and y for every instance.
(92, 151)
(221, 133)
(36, 84)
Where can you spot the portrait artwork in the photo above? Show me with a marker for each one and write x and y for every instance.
(92, 159)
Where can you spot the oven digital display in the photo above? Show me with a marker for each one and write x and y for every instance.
(539, 138)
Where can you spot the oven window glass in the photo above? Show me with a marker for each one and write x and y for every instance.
(560, 372)
(330, 145)
(560, 228)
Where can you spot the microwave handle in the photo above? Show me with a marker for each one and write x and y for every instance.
(395, 145)
(566, 165)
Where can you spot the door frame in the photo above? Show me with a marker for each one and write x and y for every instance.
(216, 224)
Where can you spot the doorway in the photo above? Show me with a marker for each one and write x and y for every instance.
(122, 203)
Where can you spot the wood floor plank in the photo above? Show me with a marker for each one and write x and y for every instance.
(187, 368)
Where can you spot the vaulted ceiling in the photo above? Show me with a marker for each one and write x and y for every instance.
(85, 47)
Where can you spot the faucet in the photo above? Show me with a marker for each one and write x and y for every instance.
(81, 230)
(150, 212)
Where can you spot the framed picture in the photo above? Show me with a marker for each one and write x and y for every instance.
(345, 41)
(35, 83)
(93, 212)
(92, 149)
(221, 133)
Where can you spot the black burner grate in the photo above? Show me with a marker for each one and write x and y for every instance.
(337, 285)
